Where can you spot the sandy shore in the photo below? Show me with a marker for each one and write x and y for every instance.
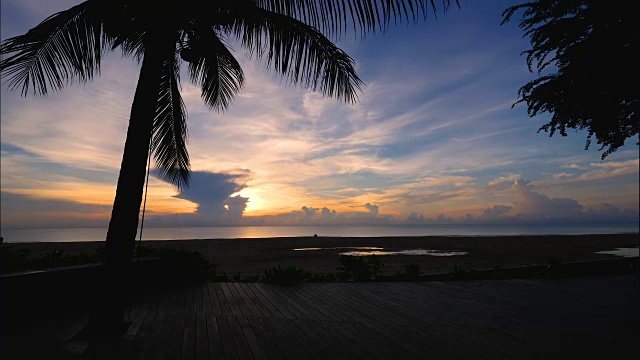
(253, 256)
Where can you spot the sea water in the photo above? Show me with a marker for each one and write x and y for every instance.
(244, 232)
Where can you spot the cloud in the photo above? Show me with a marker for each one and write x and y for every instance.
(495, 212)
(609, 170)
(561, 175)
(373, 209)
(415, 218)
(216, 197)
(23, 211)
(572, 166)
(328, 214)
(502, 182)
(531, 204)
(426, 131)
(309, 213)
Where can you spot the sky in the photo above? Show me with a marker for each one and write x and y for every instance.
(433, 138)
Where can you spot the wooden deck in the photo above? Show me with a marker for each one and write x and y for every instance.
(510, 319)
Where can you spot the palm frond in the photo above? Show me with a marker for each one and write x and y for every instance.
(335, 17)
(299, 52)
(123, 27)
(169, 138)
(215, 70)
(65, 46)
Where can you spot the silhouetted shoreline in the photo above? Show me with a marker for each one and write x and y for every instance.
(253, 256)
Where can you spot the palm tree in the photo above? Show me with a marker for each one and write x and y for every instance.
(290, 35)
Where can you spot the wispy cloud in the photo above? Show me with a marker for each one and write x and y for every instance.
(433, 133)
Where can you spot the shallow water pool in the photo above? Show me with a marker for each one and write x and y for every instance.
(624, 252)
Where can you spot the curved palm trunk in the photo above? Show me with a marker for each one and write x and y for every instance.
(120, 242)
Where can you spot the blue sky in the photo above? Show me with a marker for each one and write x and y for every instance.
(432, 138)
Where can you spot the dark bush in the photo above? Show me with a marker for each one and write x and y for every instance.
(183, 264)
(359, 268)
(322, 277)
(412, 271)
(290, 275)
(14, 260)
(458, 273)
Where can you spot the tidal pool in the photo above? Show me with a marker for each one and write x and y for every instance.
(624, 252)
(340, 247)
(427, 252)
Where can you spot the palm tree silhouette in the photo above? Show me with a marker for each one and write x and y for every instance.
(291, 35)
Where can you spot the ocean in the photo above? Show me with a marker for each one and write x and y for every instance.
(243, 232)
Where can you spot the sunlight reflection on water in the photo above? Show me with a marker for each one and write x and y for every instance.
(340, 247)
(406, 252)
(624, 252)
(372, 250)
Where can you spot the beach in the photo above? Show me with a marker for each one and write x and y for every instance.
(321, 254)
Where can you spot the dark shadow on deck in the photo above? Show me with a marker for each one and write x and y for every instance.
(512, 319)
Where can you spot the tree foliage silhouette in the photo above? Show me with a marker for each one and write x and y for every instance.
(291, 36)
(591, 46)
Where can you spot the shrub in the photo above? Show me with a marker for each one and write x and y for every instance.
(412, 271)
(458, 273)
(185, 264)
(13, 260)
(359, 268)
(322, 277)
(290, 275)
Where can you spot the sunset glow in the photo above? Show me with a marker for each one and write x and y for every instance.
(432, 138)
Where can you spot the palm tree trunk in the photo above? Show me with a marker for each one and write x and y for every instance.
(120, 242)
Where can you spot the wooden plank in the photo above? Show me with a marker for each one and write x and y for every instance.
(296, 296)
(144, 340)
(327, 350)
(275, 302)
(403, 343)
(253, 309)
(361, 302)
(239, 300)
(189, 337)
(182, 300)
(272, 310)
(268, 344)
(332, 306)
(213, 338)
(279, 340)
(478, 302)
(391, 347)
(206, 300)
(211, 299)
(224, 305)
(242, 347)
(159, 351)
(348, 303)
(198, 307)
(228, 344)
(202, 340)
(235, 309)
(138, 317)
(252, 340)
(359, 339)
(302, 341)
(316, 302)
(174, 350)
(293, 338)
(190, 299)
(392, 305)
(336, 340)
(281, 302)
(260, 306)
